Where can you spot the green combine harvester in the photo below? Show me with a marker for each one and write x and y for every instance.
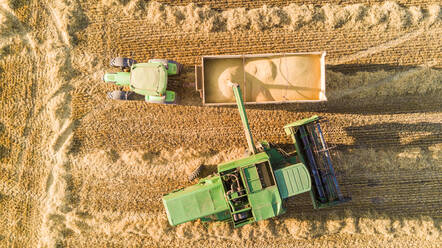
(254, 188)
(145, 79)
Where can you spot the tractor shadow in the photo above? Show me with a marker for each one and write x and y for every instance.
(351, 89)
(373, 89)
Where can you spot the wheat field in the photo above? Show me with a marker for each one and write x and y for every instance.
(81, 170)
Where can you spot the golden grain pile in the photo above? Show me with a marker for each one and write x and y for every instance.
(79, 170)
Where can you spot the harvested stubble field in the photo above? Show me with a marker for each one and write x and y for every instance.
(79, 170)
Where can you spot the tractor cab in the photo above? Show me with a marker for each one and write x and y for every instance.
(145, 79)
(149, 79)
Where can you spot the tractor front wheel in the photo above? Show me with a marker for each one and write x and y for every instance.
(178, 66)
(122, 62)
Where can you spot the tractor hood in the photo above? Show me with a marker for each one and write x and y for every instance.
(196, 201)
(148, 79)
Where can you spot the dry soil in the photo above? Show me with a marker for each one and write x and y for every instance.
(80, 170)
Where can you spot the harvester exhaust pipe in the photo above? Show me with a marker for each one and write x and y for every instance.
(242, 113)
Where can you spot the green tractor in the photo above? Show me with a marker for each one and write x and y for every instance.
(145, 79)
(255, 187)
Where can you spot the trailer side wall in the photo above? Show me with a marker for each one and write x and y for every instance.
(264, 78)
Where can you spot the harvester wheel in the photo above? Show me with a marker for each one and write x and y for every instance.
(118, 95)
(122, 62)
(196, 173)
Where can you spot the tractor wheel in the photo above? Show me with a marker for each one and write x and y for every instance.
(122, 62)
(178, 66)
(195, 173)
(118, 95)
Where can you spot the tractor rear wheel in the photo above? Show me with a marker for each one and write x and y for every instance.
(122, 62)
(178, 66)
(196, 173)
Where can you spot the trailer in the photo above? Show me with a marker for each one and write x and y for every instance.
(263, 78)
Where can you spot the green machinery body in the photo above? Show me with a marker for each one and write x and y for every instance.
(147, 79)
(254, 188)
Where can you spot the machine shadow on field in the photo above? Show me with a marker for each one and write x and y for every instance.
(341, 97)
(365, 98)
(397, 135)
(383, 173)
(354, 68)
(391, 197)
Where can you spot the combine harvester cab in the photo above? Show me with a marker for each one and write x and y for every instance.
(255, 191)
(254, 188)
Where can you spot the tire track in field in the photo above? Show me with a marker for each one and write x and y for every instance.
(386, 45)
(388, 197)
(390, 192)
